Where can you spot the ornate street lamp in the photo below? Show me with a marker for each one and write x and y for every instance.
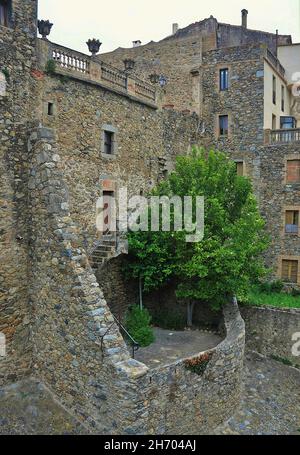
(94, 46)
(44, 28)
(129, 64)
(154, 78)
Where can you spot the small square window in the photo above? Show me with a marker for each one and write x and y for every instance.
(224, 85)
(292, 221)
(108, 142)
(223, 125)
(290, 271)
(293, 171)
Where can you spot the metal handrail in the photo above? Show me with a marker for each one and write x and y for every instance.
(135, 344)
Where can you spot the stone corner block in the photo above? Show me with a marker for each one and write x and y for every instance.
(132, 368)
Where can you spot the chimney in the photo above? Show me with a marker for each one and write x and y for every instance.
(244, 18)
(136, 43)
(174, 28)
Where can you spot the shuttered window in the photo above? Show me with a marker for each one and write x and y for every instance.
(290, 271)
(240, 168)
(293, 171)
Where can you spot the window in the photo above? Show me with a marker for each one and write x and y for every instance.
(224, 79)
(50, 109)
(290, 271)
(108, 142)
(287, 123)
(223, 125)
(274, 90)
(4, 12)
(274, 122)
(240, 168)
(293, 171)
(292, 221)
(282, 98)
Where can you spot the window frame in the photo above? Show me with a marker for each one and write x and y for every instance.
(223, 116)
(295, 222)
(113, 133)
(223, 79)
(6, 7)
(289, 182)
(288, 280)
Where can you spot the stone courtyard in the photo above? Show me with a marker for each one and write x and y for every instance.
(170, 346)
(270, 405)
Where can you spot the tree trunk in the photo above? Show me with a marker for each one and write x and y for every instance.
(141, 292)
(190, 310)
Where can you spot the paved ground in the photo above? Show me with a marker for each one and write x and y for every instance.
(270, 405)
(28, 408)
(170, 346)
(271, 400)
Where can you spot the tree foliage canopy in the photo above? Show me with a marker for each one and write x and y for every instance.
(228, 259)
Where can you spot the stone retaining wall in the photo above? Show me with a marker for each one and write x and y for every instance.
(178, 401)
(269, 331)
(102, 385)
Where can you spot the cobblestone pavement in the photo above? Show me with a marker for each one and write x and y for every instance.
(28, 408)
(270, 405)
(271, 400)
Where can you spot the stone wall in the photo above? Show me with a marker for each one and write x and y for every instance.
(97, 380)
(177, 401)
(147, 142)
(269, 331)
(276, 196)
(177, 56)
(17, 56)
(70, 314)
(119, 292)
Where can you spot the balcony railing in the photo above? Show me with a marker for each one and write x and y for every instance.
(275, 62)
(76, 64)
(282, 136)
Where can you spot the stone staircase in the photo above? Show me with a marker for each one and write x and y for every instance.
(102, 251)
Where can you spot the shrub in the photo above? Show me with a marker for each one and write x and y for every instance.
(295, 292)
(199, 364)
(50, 67)
(6, 74)
(269, 287)
(137, 322)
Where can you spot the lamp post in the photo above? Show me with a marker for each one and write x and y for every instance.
(128, 64)
(94, 46)
(154, 78)
(44, 28)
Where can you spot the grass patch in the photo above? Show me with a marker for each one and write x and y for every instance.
(257, 297)
(285, 361)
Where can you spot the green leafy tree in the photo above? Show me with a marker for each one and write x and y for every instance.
(228, 259)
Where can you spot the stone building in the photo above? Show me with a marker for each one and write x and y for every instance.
(74, 128)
